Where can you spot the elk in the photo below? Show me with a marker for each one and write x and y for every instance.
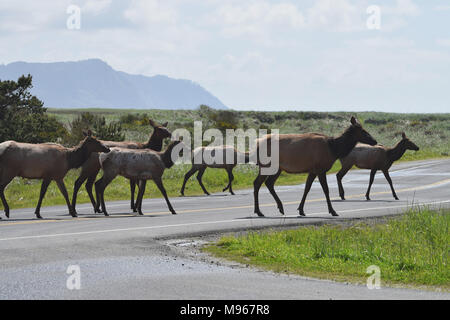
(311, 153)
(91, 167)
(374, 158)
(139, 165)
(228, 158)
(47, 161)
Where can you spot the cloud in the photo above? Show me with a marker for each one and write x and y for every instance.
(255, 18)
(149, 12)
(443, 42)
(335, 15)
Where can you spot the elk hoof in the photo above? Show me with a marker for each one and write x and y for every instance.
(38, 216)
(74, 214)
(396, 198)
(173, 212)
(182, 194)
(281, 210)
(342, 198)
(232, 193)
(301, 213)
(259, 213)
(334, 214)
(106, 214)
(367, 198)
(7, 213)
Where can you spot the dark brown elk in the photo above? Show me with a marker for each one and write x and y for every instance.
(91, 167)
(140, 165)
(45, 161)
(311, 153)
(227, 152)
(374, 158)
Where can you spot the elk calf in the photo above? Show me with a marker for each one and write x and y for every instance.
(91, 167)
(223, 153)
(47, 161)
(374, 158)
(137, 165)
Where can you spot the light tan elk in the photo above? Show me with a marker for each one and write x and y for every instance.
(222, 153)
(139, 165)
(91, 167)
(311, 153)
(45, 161)
(374, 158)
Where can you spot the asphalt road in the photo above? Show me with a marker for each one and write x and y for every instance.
(125, 256)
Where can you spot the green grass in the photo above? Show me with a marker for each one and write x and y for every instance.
(412, 249)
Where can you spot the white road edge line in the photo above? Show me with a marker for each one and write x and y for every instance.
(207, 222)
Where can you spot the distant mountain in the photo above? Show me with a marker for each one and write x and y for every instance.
(93, 83)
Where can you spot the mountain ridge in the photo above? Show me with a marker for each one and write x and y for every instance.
(93, 83)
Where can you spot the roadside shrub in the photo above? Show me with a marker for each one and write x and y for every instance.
(103, 131)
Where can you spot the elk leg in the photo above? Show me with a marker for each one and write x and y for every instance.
(44, 187)
(372, 177)
(199, 178)
(339, 176)
(324, 184)
(132, 189)
(78, 183)
(309, 182)
(5, 203)
(186, 177)
(230, 180)
(270, 182)
(62, 188)
(256, 186)
(141, 184)
(89, 185)
(3, 186)
(100, 187)
(161, 188)
(389, 180)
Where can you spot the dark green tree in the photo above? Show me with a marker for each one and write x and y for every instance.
(23, 116)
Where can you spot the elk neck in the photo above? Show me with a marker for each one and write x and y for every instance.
(155, 142)
(341, 146)
(396, 152)
(166, 156)
(76, 156)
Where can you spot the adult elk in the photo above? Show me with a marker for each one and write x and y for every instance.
(47, 161)
(374, 158)
(140, 165)
(222, 153)
(91, 167)
(311, 153)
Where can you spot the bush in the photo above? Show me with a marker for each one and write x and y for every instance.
(103, 131)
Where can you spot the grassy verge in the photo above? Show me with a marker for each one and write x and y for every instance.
(410, 250)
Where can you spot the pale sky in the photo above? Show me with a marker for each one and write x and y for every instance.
(254, 55)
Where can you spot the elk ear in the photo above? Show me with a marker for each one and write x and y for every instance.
(353, 120)
(403, 135)
(152, 123)
(165, 124)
